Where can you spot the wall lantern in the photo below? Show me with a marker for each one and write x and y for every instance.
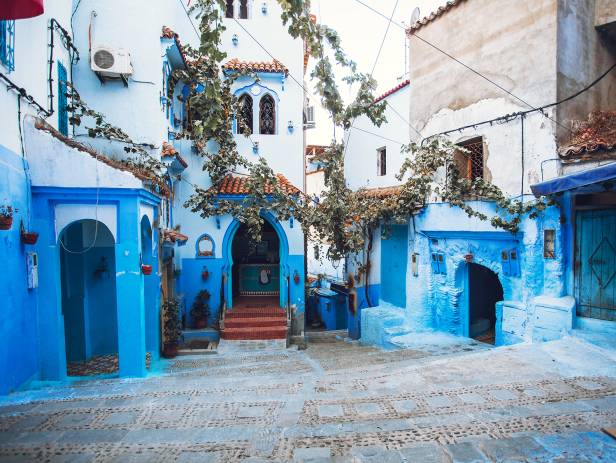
(296, 277)
(415, 264)
(235, 39)
(205, 274)
(264, 8)
(291, 126)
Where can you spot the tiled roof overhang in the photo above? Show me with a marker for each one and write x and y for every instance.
(234, 185)
(440, 11)
(273, 67)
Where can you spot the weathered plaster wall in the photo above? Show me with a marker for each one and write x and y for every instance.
(511, 42)
(583, 54)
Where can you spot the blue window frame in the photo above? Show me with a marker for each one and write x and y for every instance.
(438, 262)
(62, 100)
(7, 44)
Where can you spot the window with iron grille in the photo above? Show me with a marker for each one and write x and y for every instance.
(470, 162)
(381, 161)
(62, 100)
(245, 120)
(267, 115)
(7, 44)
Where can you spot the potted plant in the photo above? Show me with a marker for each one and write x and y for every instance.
(200, 311)
(146, 269)
(28, 237)
(6, 217)
(172, 329)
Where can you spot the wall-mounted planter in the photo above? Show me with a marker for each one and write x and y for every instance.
(29, 237)
(6, 222)
(146, 269)
(205, 274)
(296, 277)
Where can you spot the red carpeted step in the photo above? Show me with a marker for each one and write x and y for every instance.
(247, 322)
(255, 333)
(255, 313)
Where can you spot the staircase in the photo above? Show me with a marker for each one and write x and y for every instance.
(255, 318)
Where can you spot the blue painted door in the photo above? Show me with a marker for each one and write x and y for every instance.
(595, 263)
(394, 255)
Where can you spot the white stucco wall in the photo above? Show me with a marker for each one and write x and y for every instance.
(360, 167)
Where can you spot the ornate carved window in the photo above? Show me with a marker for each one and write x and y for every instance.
(229, 12)
(244, 9)
(267, 115)
(470, 162)
(244, 123)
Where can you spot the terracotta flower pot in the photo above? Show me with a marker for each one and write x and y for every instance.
(146, 269)
(170, 350)
(6, 222)
(29, 237)
(205, 275)
(296, 278)
(200, 323)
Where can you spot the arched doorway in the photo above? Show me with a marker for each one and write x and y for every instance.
(255, 271)
(484, 290)
(150, 290)
(88, 286)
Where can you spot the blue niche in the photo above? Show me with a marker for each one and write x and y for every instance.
(205, 247)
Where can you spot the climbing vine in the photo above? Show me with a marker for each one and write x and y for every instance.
(344, 219)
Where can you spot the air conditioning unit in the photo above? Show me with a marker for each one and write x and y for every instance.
(111, 62)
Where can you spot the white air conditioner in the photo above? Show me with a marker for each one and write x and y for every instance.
(111, 62)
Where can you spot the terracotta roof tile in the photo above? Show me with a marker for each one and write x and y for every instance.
(593, 138)
(255, 66)
(400, 86)
(172, 236)
(236, 185)
(441, 10)
(382, 192)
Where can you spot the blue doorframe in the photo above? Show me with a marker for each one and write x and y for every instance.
(394, 259)
(227, 250)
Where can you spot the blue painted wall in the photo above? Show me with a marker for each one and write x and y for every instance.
(18, 306)
(354, 320)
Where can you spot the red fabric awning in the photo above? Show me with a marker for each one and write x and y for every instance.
(21, 9)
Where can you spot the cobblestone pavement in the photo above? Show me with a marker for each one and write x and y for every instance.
(335, 401)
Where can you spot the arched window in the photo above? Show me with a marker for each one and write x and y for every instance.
(244, 123)
(267, 115)
(244, 9)
(229, 12)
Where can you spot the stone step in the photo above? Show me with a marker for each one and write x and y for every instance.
(247, 322)
(250, 333)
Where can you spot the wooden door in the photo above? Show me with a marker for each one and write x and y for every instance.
(595, 263)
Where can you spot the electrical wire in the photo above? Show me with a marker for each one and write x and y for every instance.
(449, 55)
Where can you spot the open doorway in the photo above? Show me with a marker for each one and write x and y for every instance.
(484, 291)
(88, 285)
(256, 267)
(150, 292)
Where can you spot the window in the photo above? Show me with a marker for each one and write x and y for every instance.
(470, 163)
(244, 9)
(381, 161)
(7, 44)
(62, 100)
(267, 115)
(438, 262)
(244, 123)
(229, 12)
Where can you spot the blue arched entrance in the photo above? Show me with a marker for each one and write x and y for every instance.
(283, 253)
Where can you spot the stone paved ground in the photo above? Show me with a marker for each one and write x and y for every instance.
(335, 401)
